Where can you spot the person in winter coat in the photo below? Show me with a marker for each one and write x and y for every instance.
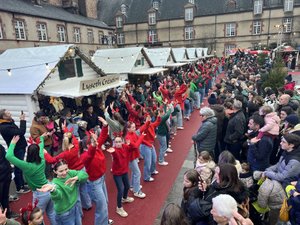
(207, 134)
(288, 167)
(271, 194)
(272, 121)
(235, 129)
(289, 84)
(8, 130)
(294, 202)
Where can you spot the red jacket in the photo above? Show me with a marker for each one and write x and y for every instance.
(133, 115)
(289, 86)
(94, 159)
(133, 138)
(179, 95)
(121, 157)
(150, 133)
(71, 156)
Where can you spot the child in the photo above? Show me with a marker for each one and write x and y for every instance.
(294, 202)
(272, 121)
(204, 164)
(246, 175)
(32, 215)
(120, 167)
(173, 215)
(64, 193)
(190, 187)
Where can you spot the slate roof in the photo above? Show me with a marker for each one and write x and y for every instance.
(49, 12)
(174, 9)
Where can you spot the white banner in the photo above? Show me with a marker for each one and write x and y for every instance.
(99, 83)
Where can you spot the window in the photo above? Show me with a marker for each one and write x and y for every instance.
(256, 27)
(90, 36)
(77, 35)
(230, 30)
(120, 39)
(228, 48)
(192, 1)
(123, 9)
(20, 30)
(189, 14)
(42, 31)
(119, 21)
(101, 36)
(155, 5)
(1, 32)
(287, 25)
(61, 33)
(152, 18)
(152, 36)
(70, 68)
(288, 5)
(257, 9)
(189, 33)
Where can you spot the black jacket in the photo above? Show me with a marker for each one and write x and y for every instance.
(5, 168)
(235, 128)
(8, 129)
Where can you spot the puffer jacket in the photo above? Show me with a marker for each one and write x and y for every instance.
(270, 194)
(287, 169)
(235, 128)
(272, 122)
(207, 135)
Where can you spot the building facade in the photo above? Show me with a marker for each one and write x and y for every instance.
(220, 25)
(33, 23)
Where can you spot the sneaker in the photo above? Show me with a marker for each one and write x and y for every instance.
(180, 128)
(139, 194)
(23, 190)
(121, 212)
(150, 179)
(164, 163)
(12, 215)
(13, 198)
(165, 154)
(169, 150)
(155, 172)
(131, 188)
(127, 200)
(110, 221)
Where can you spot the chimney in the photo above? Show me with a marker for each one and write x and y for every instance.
(88, 8)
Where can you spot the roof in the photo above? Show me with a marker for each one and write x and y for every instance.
(174, 9)
(117, 61)
(48, 11)
(179, 54)
(191, 53)
(158, 56)
(28, 67)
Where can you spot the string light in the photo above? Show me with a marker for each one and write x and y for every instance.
(47, 66)
(122, 58)
(108, 59)
(9, 72)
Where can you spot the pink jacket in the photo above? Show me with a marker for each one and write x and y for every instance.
(272, 122)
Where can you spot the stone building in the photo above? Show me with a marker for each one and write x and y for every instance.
(220, 25)
(29, 23)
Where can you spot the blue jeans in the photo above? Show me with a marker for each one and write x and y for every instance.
(122, 183)
(45, 204)
(85, 199)
(197, 101)
(98, 193)
(19, 181)
(202, 93)
(135, 175)
(179, 116)
(162, 147)
(187, 108)
(71, 217)
(149, 155)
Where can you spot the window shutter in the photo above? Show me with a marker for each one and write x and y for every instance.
(61, 70)
(79, 67)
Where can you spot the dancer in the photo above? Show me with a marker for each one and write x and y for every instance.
(32, 215)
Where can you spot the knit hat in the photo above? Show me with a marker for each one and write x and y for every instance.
(212, 100)
(289, 78)
(292, 119)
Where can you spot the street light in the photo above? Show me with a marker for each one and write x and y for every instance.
(280, 28)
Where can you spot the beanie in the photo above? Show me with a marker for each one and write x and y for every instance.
(292, 119)
(289, 78)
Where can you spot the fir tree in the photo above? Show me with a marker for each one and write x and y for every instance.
(277, 74)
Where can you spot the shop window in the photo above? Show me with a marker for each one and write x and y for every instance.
(70, 68)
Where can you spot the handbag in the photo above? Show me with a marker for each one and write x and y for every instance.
(284, 211)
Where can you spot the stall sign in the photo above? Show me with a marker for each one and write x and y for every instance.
(99, 83)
